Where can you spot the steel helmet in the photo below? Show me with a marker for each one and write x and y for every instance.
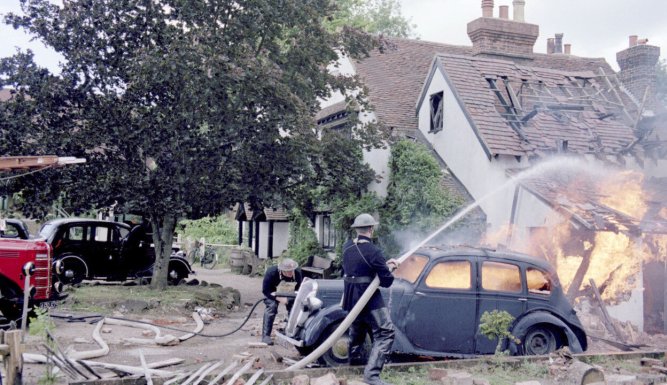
(364, 220)
(287, 264)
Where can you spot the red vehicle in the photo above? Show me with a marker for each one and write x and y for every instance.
(16, 257)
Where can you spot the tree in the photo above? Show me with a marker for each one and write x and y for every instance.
(181, 107)
(373, 16)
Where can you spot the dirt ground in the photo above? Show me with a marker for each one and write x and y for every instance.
(77, 336)
(195, 351)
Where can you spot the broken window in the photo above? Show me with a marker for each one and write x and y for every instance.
(328, 233)
(410, 269)
(450, 275)
(498, 276)
(437, 113)
(76, 233)
(538, 281)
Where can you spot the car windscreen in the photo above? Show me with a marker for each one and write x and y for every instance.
(411, 267)
(46, 230)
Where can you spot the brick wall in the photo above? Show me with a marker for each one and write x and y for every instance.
(492, 36)
(638, 71)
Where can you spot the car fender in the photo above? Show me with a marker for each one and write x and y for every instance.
(64, 257)
(180, 261)
(520, 329)
(319, 323)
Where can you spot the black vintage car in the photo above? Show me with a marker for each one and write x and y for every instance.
(15, 228)
(94, 249)
(436, 302)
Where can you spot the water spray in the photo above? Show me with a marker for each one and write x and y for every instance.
(554, 163)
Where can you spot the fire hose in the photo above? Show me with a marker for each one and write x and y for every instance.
(352, 315)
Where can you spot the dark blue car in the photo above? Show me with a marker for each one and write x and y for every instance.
(436, 302)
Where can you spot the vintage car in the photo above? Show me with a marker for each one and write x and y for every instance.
(15, 229)
(93, 249)
(436, 302)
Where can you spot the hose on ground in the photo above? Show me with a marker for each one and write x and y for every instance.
(97, 317)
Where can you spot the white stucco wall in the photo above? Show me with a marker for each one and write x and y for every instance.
(377, 159)
(280, 239)
(460, 148)
(530, 212)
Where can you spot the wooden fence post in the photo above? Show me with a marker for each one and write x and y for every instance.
(11, 349)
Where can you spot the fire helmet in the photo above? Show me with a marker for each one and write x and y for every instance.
(364, 220)
(287, 264)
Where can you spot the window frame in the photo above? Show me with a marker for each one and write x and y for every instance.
(436, 111)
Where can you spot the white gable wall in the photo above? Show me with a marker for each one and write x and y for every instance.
(377, 159)
(460, 148)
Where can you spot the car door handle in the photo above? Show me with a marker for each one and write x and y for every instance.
(522, 299)
(419, 293)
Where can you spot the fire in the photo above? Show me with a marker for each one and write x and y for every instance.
(623, 192)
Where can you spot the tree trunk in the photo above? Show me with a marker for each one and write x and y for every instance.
(163, 235)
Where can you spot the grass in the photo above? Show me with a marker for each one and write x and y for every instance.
(172, 300)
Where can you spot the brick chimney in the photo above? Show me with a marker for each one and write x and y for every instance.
(637, 63)
(558, 43)
(501, 36)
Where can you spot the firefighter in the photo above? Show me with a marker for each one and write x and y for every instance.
(362, 261)
(286, 271)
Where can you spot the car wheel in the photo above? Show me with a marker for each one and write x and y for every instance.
(338, 353)
(73, 271)
(10, 310)
(539, 340)
(177, 273)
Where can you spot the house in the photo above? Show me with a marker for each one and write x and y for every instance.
(266, 230)
(496, 112)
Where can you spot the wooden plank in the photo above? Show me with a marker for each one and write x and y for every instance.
(14, 362)
(605, 319)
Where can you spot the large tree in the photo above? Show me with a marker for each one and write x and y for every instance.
(182, 107)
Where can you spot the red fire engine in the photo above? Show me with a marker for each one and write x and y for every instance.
(21, 257)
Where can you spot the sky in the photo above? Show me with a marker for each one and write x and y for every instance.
(595, 28)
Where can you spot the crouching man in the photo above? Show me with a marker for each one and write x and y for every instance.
(286, 271)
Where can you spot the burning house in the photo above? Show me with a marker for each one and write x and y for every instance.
(496, 113)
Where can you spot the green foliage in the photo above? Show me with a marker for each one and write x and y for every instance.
(181, 109)
(302, 241)
(372, 16)
(345, 210)
(221, 229)
(41, 325)
(495, 325)
(416, 199)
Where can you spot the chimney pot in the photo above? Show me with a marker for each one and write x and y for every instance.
(568, 49)
(487, 8)
(632, 40)
(504, 11)
(558, 43)
(642, 41)
(518, 6)
(550, 45)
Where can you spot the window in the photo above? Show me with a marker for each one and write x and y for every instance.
(450, 275)
(538, 281)
(101, 234)
(76, 233)
(411, 267)
(436, 102)
(498, 276)
(328, 233)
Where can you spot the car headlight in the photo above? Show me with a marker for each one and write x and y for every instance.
(58, 267)
(28, 268)
(312, 304)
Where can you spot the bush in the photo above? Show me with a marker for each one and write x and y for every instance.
(221, 229)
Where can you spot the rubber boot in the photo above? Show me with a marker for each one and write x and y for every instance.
(267, 324)
(383, 338)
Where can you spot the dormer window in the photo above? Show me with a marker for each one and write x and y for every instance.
(437, 113)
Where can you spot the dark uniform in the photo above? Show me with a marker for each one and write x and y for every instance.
(272, 279)
(362, 261)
